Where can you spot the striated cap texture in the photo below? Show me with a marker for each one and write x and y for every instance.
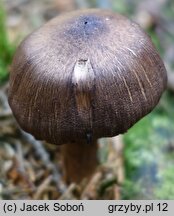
(89, 73)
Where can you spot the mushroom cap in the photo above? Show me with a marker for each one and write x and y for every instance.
(85, 73)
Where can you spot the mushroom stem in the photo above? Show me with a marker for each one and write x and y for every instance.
(79, 160)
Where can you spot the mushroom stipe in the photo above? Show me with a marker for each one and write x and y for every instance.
(81, 76)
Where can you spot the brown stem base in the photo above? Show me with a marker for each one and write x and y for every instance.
(79, 160)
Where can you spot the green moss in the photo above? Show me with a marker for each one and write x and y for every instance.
(165, 189)
(149, 153)
(130, 190)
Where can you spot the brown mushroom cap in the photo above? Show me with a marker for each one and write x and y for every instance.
(85, 72)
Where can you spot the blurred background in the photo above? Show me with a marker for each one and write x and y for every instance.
(137, 165)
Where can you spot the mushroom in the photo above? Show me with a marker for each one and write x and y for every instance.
(82, 76)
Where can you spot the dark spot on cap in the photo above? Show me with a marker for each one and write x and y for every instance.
(86, 27)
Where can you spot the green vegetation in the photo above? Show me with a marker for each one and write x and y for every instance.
(149, 154)
(6, 48)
